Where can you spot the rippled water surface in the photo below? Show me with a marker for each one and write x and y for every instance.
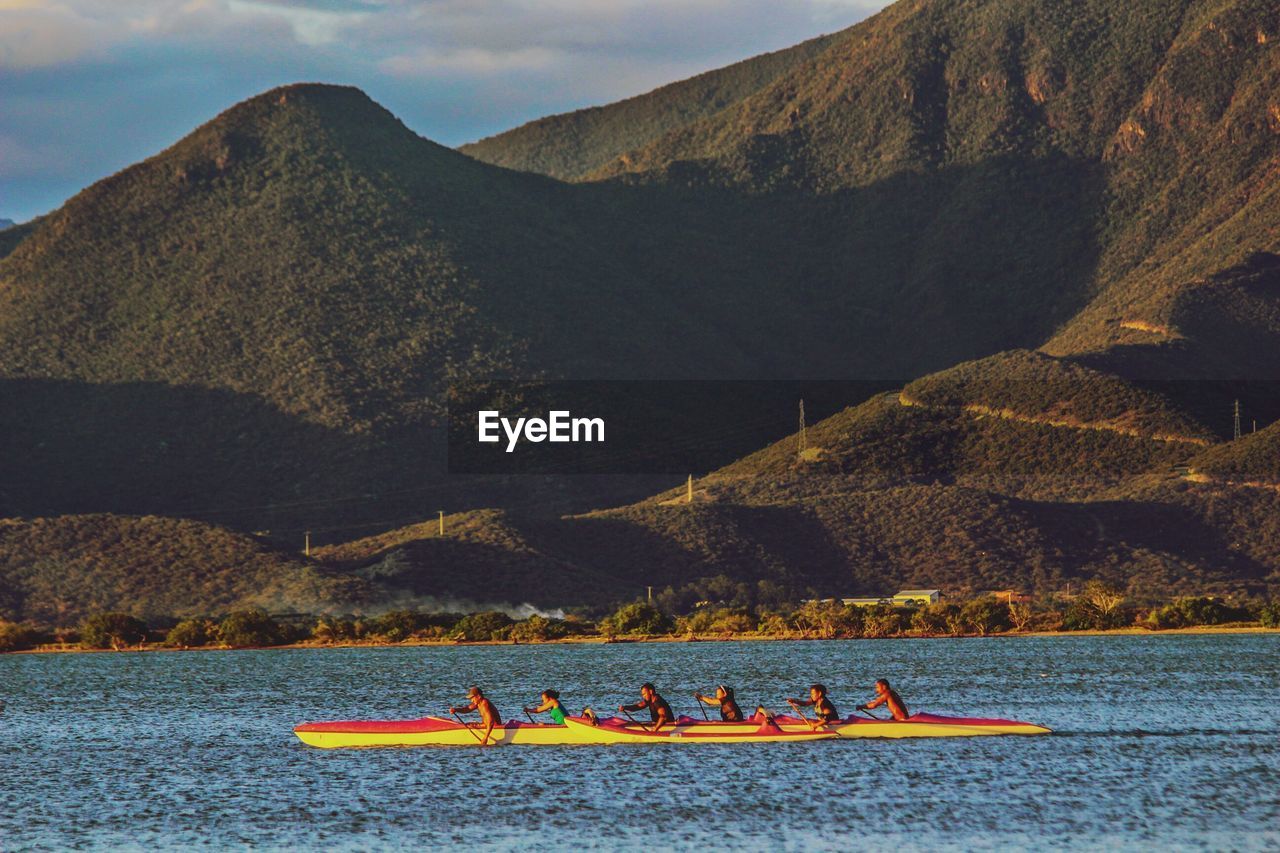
(1169, 740)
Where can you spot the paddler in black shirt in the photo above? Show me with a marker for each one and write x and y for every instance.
(823, 708)
(729, 710)
(659, 710)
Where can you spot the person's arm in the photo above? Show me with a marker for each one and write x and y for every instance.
(639, 706)
(488, 729)
(664, 719)
(466, 710)
(805, 702)
(875, 703)
(545, 706)
(709, 700)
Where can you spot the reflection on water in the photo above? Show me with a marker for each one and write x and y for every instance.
(1159, 739)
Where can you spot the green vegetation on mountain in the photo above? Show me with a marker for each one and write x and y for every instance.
(1254, 458)
(57, 570)
(571, 145)
(258, 328)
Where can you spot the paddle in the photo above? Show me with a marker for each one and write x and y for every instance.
(530, 716)
(812, 724)
(467, 726)
(869, 714)
(702, 706)
(633, 719)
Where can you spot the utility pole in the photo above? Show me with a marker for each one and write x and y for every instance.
(306, 547)
(650, 589)
(803, 438)
(1236, 428)
(442, 522)
(689, 491)
(1255, 424)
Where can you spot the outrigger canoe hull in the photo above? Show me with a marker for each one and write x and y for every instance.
(438, 731)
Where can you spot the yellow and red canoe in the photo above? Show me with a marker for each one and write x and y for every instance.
(439, 731)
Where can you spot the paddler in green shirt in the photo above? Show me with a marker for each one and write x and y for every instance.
(551, 704)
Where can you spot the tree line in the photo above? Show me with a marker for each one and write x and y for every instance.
(1099, 607)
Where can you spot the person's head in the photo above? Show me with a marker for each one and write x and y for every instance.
(723, 693)
(475, 693)
(647, 691)
(882, 686)
(816, 692)
(549, 695)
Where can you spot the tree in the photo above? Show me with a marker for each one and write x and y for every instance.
(985, 615)
(111, 631)
(538, 629)
(1103, 601)
(15, 637)
(936, 618)
(829, 619)
(245, 628)
(485, 625)
(1020, 614)
(640, 617)
(191, 632)
(1269, 615)
(881, 620)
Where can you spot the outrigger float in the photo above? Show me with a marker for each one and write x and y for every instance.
(439, 731)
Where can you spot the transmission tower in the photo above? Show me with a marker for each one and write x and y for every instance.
(1236, 430)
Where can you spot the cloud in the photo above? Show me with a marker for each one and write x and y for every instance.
(36, 36)
(89, 86)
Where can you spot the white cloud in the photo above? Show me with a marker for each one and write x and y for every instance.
(310, 26)
(469, 60)
(35, 35)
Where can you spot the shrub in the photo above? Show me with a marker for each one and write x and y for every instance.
(15, 637)
(1185, 612)
(485, 625)
(111, 631)
(191, 632)
(538, 629)
(640, 617)
(245, 628)
(772, 624)
(938, 618)
(1269, 615)
(882, 620)
(829, 619)
(985, 616)
(396, 626)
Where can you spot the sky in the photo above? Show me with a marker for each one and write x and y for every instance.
(88, 87)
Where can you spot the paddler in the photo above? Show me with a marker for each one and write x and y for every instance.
(551, 704)
(886, 695)
(822, 706)
(659, 710)
(729, 710)
(488, 713)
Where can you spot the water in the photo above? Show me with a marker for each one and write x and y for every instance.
(1169, 740)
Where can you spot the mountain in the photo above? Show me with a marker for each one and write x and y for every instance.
(1060, 220)
(6, 224)
(572, 145)
(55, 571)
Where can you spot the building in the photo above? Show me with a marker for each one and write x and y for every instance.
(864, 602)
(1012, 596)
(916, 597)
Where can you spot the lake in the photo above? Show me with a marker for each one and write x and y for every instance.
(1168, 740)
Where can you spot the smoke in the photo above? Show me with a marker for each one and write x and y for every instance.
(450, 604)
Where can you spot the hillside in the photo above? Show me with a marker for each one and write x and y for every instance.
(1059, 219)
(1255, 458)
(55, 571)
(572, 145)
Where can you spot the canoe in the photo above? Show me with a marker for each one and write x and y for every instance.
(428, 731)
(440, 731)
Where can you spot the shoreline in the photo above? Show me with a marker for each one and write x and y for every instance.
(1131, 631)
